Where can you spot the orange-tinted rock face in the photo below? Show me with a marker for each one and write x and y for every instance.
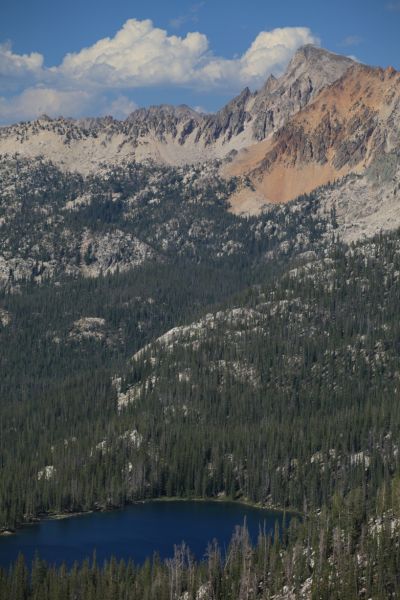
(390, 71)
(341, 131)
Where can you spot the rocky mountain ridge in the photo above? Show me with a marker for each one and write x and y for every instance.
(178, 135)
(348, 126)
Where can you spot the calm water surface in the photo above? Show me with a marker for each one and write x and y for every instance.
(136, 532)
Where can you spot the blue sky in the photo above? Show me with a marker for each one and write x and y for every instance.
(99, 57)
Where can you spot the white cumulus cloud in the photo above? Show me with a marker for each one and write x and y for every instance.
(120, 108)
(33, 102)
(139, 55)
(15, 68)
(143, 55)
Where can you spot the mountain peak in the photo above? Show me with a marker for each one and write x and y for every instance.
(310, 70)
(338, 131)
(390, 71)
(309, 50)
(268, 85)
(310, 56)
(237, 101)
(44, 117)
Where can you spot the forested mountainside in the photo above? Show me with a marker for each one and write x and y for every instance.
(65, 340)
(299, 401)
(156, 339)
(55, 224)
(298, 408)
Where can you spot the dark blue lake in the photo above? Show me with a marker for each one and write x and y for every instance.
(136, 532)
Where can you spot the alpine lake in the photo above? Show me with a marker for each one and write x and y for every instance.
(138, 531)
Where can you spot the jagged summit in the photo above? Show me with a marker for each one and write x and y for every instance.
(390, 71)
(268, 85)
(310, 70)
(321, 66)
(44, 117)
(164, 109)
(313, 52)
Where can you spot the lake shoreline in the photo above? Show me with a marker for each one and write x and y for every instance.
(58, 516)
(140, 531)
